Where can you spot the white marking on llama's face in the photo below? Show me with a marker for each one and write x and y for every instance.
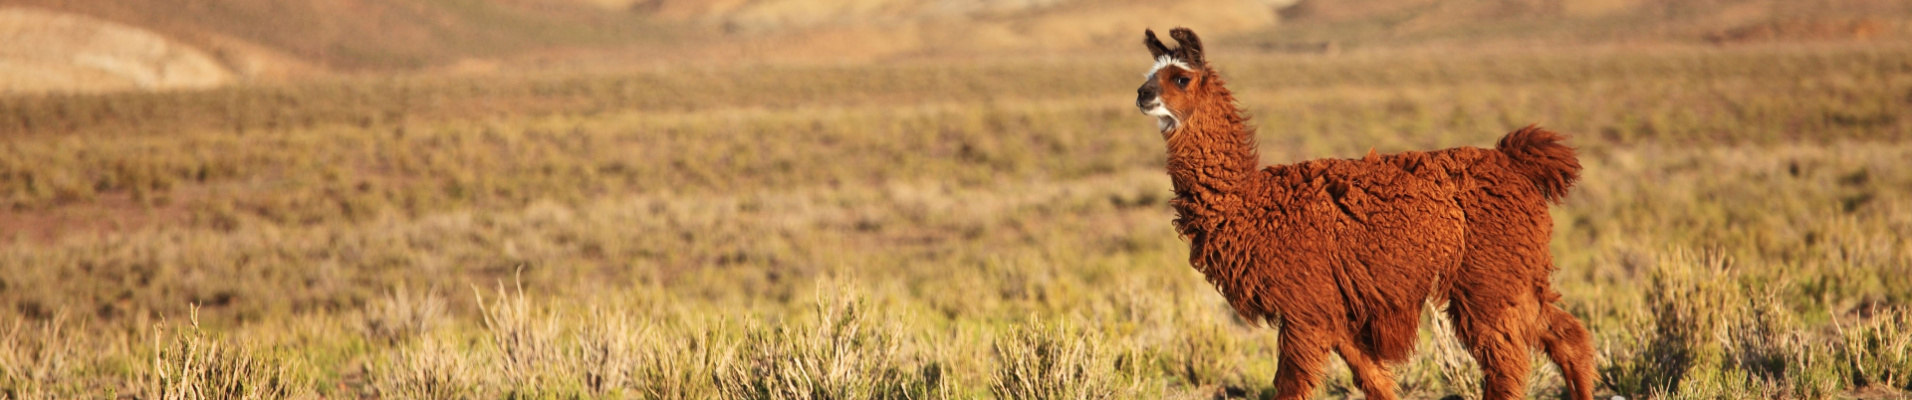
(1163, 62)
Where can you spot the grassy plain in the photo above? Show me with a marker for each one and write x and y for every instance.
(980, 230)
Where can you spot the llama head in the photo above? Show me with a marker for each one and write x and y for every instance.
(1177, 82)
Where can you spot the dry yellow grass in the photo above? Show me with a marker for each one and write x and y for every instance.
(932, 230)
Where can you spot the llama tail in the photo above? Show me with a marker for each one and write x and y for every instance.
(1538, 155)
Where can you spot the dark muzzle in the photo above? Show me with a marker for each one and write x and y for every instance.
(1146, 95)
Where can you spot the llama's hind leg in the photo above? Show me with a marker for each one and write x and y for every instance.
(1369, 372)
(1568, 344)
(1303, 352)
(1497, 337)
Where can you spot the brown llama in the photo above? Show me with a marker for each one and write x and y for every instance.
(1341, 254)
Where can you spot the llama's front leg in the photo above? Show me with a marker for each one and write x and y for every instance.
(1369, 373)
(1303, 352)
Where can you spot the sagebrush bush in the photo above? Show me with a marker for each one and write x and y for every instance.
(429, 369)
(606, 351)
(400, 315)
(1714, 335)
(1876, 351)
(1208, 356)
(841, 352)
(528, 342)
(192, 366)
(682, 362)
(37, 357)
(1053, 362)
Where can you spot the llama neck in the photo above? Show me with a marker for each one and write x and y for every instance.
(1209, 159)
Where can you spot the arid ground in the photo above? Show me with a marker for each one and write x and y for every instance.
(648, 207)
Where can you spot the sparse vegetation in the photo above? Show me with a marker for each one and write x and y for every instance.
(988, 229)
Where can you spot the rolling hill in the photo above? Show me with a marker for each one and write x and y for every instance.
(279, 40)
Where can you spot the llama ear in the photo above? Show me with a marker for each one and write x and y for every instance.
(1156, 48)
(1191, 51)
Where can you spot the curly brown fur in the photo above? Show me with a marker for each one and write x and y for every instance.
(1342, 253)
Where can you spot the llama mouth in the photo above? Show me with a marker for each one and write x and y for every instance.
(1165, 120)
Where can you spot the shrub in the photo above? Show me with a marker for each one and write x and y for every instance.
(193, 366)
(1044, 362)
(843, 354)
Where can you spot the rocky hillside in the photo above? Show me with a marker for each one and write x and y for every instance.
(48, 51)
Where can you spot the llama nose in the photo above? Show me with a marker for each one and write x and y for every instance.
(1143, 97)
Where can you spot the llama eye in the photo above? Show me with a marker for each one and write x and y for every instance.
(1181, 81)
